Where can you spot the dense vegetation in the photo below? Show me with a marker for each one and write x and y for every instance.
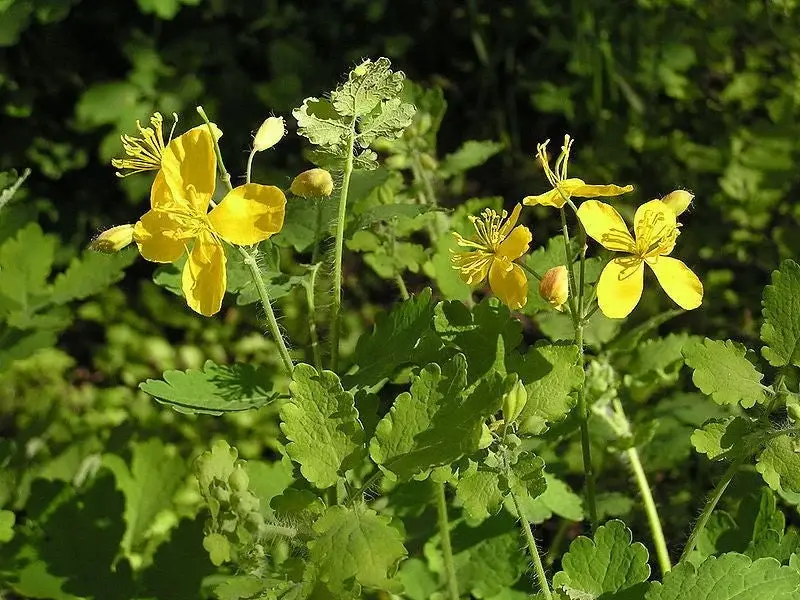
(124, 414)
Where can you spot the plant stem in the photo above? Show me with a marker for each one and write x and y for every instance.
(583, 409)
(532, 549)
(317, 231)
(709, 507)
(312, 322)
(249, 165)
(337, 259)
(278, 530)
(250, 260)
(402, 287)
(447, 548)
(529, 270)
(555, 544)
(650, 508)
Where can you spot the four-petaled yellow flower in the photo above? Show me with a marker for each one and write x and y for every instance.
(495, 246)
(656, 229)
(565, 188)
(179, 216)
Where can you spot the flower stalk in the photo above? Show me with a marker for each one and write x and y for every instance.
(251, 261)
(447, 547)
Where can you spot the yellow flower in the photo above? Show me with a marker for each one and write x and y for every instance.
(620, 286)
(494, 248)
(145, 152)
(178, 215)
(565, 188)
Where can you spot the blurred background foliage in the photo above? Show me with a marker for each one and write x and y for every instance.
(663, 94)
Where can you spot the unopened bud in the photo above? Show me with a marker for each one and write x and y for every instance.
(238, 480)
(314, 183)
(678, 201)
(113, 240)
(269, 134)
(514, 402)
(554, 286)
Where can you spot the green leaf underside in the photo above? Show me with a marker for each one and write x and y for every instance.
(779, 463)
(722, 372)
(435, 423)
(728, 577)
(214, 390)
(356, 543)
(321, 423)
(781, 327)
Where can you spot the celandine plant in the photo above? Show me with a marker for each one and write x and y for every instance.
(416, 463)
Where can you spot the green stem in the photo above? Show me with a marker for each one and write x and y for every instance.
(250, 165)
(650, 508)
(532, 549)
(278, 530)
(558, 539)
(709, 507)
(583, 409)
(337, 259)
(312, 322)
(250, 261)
(529, 270)
(401, 285)
(317, 230)
(447, 548)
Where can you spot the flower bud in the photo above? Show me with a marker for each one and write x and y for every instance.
(314, 183)
(269, 134)
(678, 201)
(113, 240)
(554, 286)
(514, 402)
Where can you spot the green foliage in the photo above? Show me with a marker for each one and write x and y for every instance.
(727, 577)
(722, 371)
(781, 328)
(321, 423)
(215, 390)
(607, 566)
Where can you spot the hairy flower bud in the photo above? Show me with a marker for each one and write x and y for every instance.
(514, 402)
(113, 240)
(314, 183)
(269, 134)
(554, 286)
(678, 201)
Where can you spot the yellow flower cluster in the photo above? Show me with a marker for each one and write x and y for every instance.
(179, 221)
(498, 243)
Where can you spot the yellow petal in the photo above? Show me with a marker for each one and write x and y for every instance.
(510, 221)
(203, 280)
(551, 198)
(249, 214)
(159, 236)
(508, 283)
(160, 194)
(189, 162)
(604, 224)
(678, 280)
(596, 191)
(620, 287)
(515, 245)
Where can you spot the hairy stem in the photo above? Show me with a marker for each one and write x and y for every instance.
(312, 321)
(575, 305)
(337, 258)
(650, 508)
(447, 548)
(250, 260)
(709, 507)
(401, 285)
(541, 577)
